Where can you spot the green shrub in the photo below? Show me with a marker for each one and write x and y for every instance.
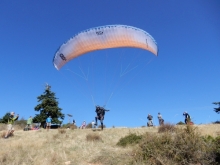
(129, 140)
(216, 122)
(217, 149)
(216, 142)
(180, 123)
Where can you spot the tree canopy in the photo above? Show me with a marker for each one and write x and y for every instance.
(5, 118)
(217, 110)
(48, 106)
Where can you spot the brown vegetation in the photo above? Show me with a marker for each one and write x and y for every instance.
(86, 147)
(93, 137)
(167, 127)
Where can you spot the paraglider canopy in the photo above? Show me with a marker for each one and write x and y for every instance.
(103, 37)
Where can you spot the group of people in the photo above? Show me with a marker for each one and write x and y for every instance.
(100, 113)
(29, 125)
(12, 118)
(83, 126)
(150, 120)
(161, 120)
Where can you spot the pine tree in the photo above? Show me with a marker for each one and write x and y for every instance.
(5, 118)
(48, 107)
(217, 110)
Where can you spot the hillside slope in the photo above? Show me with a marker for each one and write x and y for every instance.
(74, 147)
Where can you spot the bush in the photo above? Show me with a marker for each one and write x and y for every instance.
(217, 149)
(89, 125)
(129, 140)
(183, 147)
(216, 122)
(180, 123)
(20, 124)
(167, 127)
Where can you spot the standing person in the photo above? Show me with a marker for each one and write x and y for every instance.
(83, 126)
(48, 122)
(150, 122)
(93, 124)
(29, 123)
(187, 117)
(100, 113)
(161, 120)
(10, 128)
(74, 122)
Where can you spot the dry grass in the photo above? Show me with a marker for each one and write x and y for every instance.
(184, 146)
(93, 137)
(167, 127)
(55, 147)
(2, 127)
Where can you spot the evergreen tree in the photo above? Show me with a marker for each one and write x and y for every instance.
(217, 110)
(48, 107)
(4, 119)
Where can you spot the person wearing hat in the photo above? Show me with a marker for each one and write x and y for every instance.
(150, 120)
(10, 128)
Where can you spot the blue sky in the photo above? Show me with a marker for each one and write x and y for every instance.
(184, 76)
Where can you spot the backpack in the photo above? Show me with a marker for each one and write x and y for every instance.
(150, 117)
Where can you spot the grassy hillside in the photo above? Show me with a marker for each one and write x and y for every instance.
(76, 147)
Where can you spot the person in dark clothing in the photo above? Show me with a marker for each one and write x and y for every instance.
(187, 117)
(74, 122)
(100, 113)
(150, 122)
